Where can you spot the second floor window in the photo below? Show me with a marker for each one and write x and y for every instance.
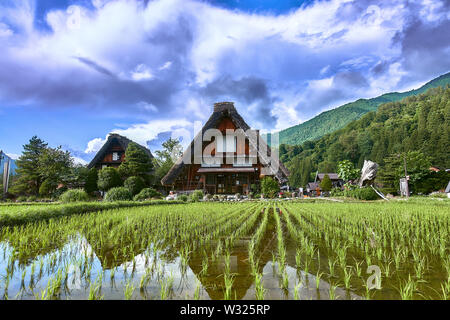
(115, 156)
(226, 144)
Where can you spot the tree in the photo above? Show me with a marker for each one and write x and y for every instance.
(269, 187)
(108, 178)
(29, 180)
(55, 165)
(91, 181)
(136, 163)
(134, 184)
(417, 167)
(347, 171)
(166, 157)
(326, 184)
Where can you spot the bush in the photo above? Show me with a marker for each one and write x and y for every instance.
(362, 194)
(336, 192)
(118, 194)
(269, 187)
(21, 199)
(47, 188)
(58, 192)
(108, 178)
(197, 195)
(31, 198)
(183, 198)
(147, 193)
(74, 195)
(91, 181)
(134, 184)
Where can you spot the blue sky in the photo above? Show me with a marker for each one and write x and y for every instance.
(71, 71)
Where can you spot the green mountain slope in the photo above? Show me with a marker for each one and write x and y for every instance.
(335, 119)
(416, 123)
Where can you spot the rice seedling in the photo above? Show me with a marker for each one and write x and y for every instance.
(259, 287)
(128, 290)
(407, 239)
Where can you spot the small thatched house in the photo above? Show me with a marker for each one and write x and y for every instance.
(334, 177)
(243, 161)
(112, 153)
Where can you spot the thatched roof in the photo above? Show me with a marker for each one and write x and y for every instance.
(221, 110)
(121, 140)
(333, 176)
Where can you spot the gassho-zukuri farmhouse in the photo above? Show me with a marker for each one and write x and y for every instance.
(239, 157)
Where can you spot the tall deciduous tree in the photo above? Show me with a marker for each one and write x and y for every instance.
(166, 157)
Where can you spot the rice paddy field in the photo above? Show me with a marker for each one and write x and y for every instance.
(243, 250)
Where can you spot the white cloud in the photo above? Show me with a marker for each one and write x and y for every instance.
(141, 59)
(94, 145)
(78, 160)
(13, 156)
(166, 65)
(141, 72)
(144, 132)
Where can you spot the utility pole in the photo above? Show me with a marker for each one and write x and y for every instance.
(406, 176)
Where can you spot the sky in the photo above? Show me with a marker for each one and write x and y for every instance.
(71, 71)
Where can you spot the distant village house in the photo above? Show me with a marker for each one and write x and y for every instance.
(112, 153)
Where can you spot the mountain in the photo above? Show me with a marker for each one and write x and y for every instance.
(415, 123)
(335, 119)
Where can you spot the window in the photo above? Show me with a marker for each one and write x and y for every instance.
(104, 166)
(210, 179)
(115, 156)
(226, 144)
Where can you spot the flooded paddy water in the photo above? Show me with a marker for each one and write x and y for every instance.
(253, 250)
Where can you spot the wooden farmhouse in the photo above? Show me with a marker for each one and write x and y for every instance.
(244, 159)
(336, 182)
(112, 153)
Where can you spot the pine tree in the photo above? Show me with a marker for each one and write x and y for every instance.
(326, 184)
(29, 179)
(136, 163)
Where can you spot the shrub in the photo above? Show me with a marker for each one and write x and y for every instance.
(108, 178)
(47, 188)
(21, 199)
(269, 187)
(183, 198)
(31, 198)
(362, 194)
(74, 195)
(134, 184)
(58, 192)
(91, 181)
(197, 195)
(336, 192)
(118, 194)
(250, 195)
(147, 193)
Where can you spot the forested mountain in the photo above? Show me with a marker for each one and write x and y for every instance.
(335, 119)
(419, 123)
